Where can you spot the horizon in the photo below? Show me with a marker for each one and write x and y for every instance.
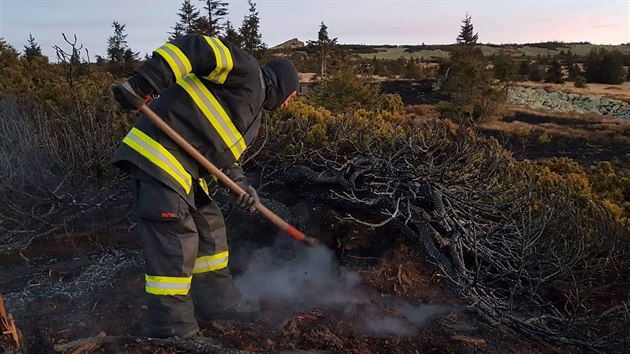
(454, 43)
(374, 23)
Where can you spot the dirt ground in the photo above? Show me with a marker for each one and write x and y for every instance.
(78, 287)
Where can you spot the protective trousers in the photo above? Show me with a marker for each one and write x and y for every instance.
(186, 259)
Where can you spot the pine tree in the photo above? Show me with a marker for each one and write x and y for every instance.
(604, 67)
(250, 33)
(593, 66)
(117, 49)
(188, 21)
(411, 70)
(32, 50)
(523, 69)
(575, 72)
(612, 65)
(178, 31)
(554, 73)
(505, 69)
(535, 72)
(210, 23)
(4, 45)
(232, 35)
(568, 59)
(471, 86)
(467, 34)
(324, 46)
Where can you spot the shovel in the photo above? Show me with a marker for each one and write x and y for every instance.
(225, 180)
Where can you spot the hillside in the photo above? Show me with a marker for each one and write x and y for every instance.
(437, 51)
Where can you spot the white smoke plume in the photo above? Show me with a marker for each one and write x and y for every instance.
(314, 280)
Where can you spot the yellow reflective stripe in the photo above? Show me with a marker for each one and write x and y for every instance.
(210, 263)
(157, 154)
(176, 59)
(223, 59)
(204, 185)
(215, 114)
(229, 60)
(159, 285)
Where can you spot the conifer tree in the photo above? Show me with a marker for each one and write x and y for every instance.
(604, 67)
(32, 50)
(232, 35)
(210, 22)
(117, 49)
(505, 69)
(188, 21)
(612, 65)
(250, 32)
(554, 73)
(4, 45)
(593, 66)
(523, 69)
(411, 70)
(535, 72)
(472, 87)
(467, 33)
(575, 72)
(324, 46)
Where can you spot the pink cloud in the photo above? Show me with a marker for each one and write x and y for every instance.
(584, 28)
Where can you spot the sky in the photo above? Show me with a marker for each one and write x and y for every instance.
(351, 21)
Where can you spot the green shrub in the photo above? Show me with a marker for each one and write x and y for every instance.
(580, 82)
(475, 95)
(345, 90)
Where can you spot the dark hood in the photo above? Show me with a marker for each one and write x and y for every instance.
(281, 79)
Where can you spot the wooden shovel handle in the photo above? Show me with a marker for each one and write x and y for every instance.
(225, 180)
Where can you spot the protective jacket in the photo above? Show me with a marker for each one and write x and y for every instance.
(212, 94)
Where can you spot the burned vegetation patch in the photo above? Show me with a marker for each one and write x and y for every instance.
(436, 240)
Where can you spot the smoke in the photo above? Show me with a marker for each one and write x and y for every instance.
(313, 279)
(402, 319)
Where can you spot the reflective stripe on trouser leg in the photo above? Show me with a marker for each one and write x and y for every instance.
(211, 263)
(160, 285)
(213, 289)
(170, 248)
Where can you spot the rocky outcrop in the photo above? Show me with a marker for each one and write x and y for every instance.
(290, 44)
(538, 98)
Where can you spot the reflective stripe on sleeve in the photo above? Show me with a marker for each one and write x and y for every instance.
(159, 285)
(215, 114)
(223, 59)
(157, 154)
(210, 263)
(176, 59)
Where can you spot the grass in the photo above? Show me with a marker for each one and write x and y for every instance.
(398, 52)
(530, 50)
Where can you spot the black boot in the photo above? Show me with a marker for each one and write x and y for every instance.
(244, 311)
(216, 298)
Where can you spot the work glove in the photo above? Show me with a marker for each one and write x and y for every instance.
(133, 93)
(247, 200)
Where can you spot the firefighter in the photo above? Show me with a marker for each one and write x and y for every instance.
(212, 93)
